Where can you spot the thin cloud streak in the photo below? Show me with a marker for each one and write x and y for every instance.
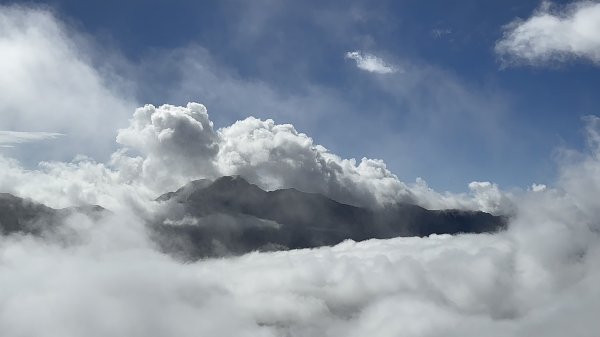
(371, 63)
(19, 137)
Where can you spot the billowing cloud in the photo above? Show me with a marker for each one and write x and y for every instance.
(277, 156)
(179, 144)
(553, 35)
(7, 138)
(167, 146)
(176, 143)
(371, 63)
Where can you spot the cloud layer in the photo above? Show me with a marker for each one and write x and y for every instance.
(553, 35)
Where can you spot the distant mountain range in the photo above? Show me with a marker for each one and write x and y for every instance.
(18, 215)
(230, 216)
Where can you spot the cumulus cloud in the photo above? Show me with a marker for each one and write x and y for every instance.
(371, 63)
(277, 156)
(553, 35)
(176, 143)
(179, 143)
(165, 147)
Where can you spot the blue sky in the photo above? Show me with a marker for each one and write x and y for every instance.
(451, 113)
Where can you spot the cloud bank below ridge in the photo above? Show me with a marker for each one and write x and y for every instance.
(538, 279)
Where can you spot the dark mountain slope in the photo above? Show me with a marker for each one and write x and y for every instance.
(18, 215)
(231, 215)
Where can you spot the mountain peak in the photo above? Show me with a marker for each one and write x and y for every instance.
(233, 180)
(186, 190)
(230, 187)
(242, 217)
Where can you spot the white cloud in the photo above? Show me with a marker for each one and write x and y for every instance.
(538, 187)
(178, 144)
(167, 146)
(551, 35)
(371, 63)
(277, 156)
(19, 137)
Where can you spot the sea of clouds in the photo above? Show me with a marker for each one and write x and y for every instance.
(538, 278)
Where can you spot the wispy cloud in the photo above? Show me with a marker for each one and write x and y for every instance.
(552, 35)
(438, 33)
(371, 63)
(53, 85)
(8, 138)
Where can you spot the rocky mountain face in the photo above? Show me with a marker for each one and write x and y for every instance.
(18, 215)
(21, 215)
(230, 216)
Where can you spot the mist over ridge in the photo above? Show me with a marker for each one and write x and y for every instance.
(229, 216)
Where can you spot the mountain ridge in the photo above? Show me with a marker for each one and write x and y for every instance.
(305, 220)
(22, 215)
(230, 216)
